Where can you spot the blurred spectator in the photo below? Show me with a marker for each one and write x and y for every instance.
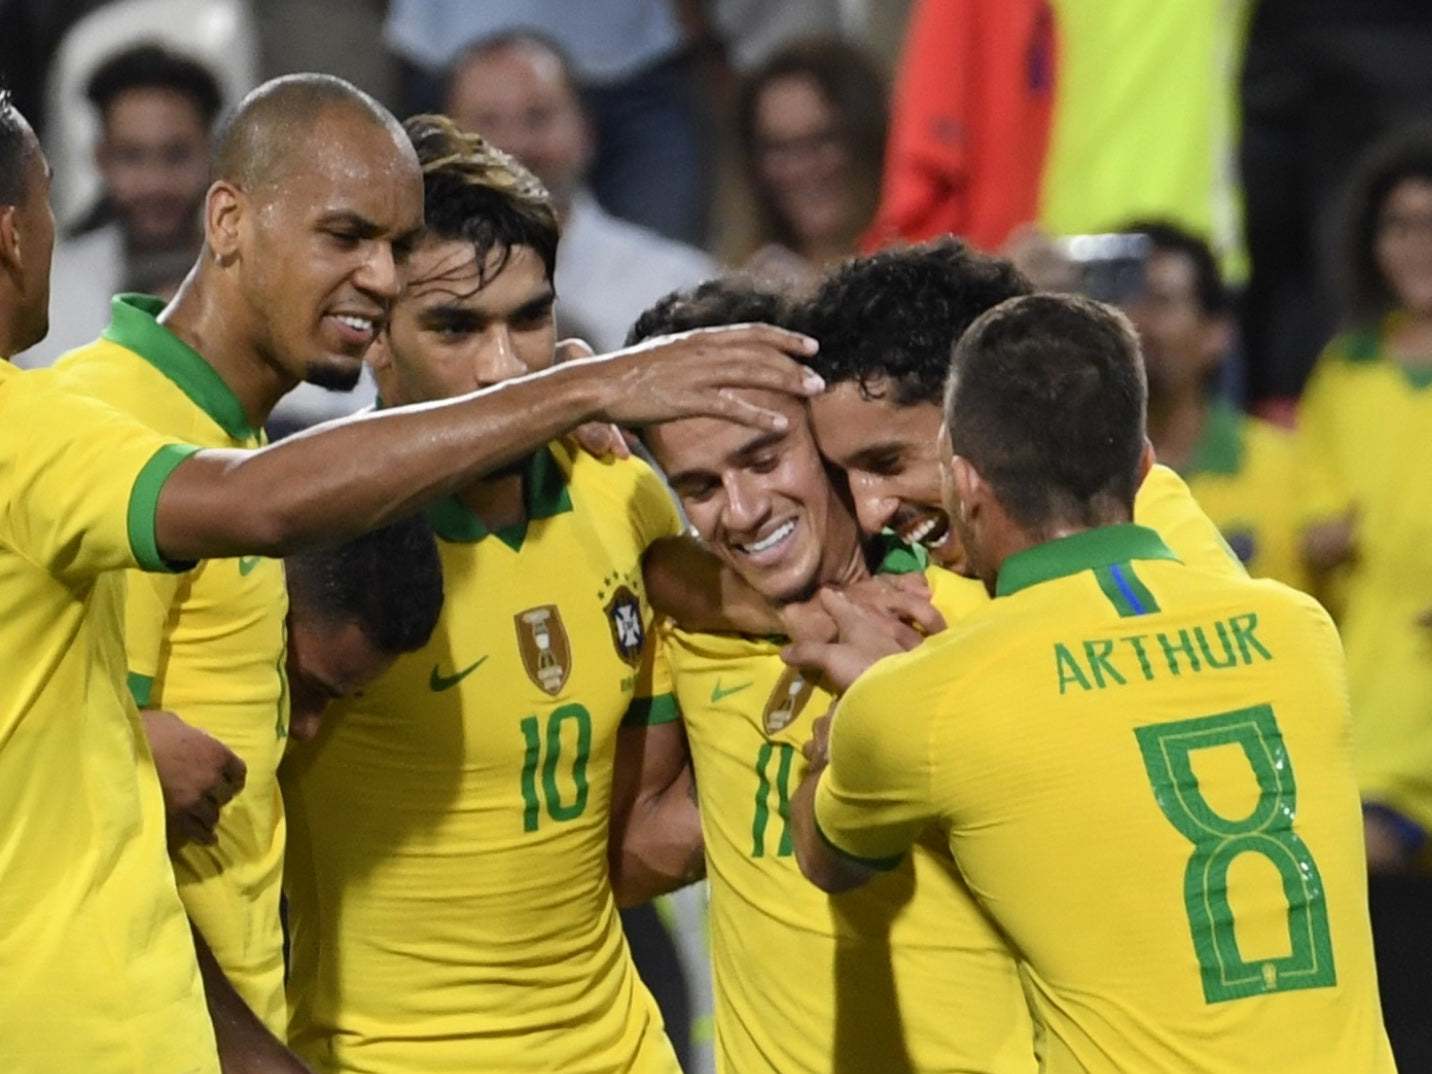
(751, 30)
(1240, 468)
(517, 91)
(811, 122)
(335, 37)
(1322, 80)
(631, 57)
(970, 122)
(1365, 452)
(156, 109)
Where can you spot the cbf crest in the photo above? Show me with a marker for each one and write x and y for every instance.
(622, 607)
(786, 701)
(546, 651)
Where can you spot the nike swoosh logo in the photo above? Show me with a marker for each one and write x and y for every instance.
(248, 563)
(718, 694)
(438, 683)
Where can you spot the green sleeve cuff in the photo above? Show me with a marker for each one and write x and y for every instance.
(140, 686)
(144, 504)
(880, 865)
(652, 711)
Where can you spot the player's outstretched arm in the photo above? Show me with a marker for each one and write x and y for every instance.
(655, 842)
(349, 477)
(245, 1044)
(821, 865)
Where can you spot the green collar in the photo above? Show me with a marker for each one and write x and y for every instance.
(1220, 449)
(133, 325)
(1084, 551)
(893, 556)
(544, 491)
(1367, 344)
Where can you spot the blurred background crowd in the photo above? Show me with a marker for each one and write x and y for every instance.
(1249, 179)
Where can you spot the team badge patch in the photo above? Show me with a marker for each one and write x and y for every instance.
(624, 617)
(786, 701)
(546, 652)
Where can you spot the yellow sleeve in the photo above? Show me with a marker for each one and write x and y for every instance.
(80, 481)
(874, 798)
(1165, 505)
(1322, 490)
(654, 512)
(148, 601)
(654, 697)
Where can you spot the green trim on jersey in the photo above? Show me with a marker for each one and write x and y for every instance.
(881, 865)
(144, 504)
(1125, 591)
(652, 711)
(133, 326)
(1089, 550)
(1220, 448)
(140, 688)
(893, 556)
(545, 494)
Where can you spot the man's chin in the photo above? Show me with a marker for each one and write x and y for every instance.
(334, 374)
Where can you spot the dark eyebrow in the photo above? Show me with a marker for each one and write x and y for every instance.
(448, 313)
(533, 306)
(351, 221)
(873, 451)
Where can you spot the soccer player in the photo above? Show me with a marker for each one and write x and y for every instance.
(101, 972)
(1143, 768)
(905, 975)
(447, 881)
(886, 324)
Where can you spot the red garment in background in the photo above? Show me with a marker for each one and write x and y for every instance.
(970, 122)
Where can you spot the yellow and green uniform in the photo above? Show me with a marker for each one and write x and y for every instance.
(1244, 474)
(1165, 505)
(449, 894)
(1365, 444)
(97, 969)
(1144, 772)
(208, 646)
(906, 974)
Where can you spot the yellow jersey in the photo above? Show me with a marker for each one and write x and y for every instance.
(450, 902)
(98, 964)
(1364, 429)
(906, 974)
(1144, 772)
(209, 646)
(1244, 474)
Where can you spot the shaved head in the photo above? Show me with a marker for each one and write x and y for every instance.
(274, 130)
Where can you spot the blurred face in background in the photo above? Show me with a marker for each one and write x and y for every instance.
(802, 160)
(1404, 244)
(154, 159)
(520, 99)
(1182, 342)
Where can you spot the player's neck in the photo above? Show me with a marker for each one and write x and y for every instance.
(1179, 427)
(498, 502)
(218, 331)
(1410, 340)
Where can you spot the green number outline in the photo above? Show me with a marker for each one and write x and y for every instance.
(1167, 749)
(759, 823)
(552, 793)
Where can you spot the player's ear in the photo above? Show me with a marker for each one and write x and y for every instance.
(1147, 459)
(968, 487)
(10, 259)
(223, 216)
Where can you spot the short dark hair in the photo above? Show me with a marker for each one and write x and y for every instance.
(389, 582)
(1405, 154)
(152, 66)
(1166, 237)
(724, 300)
(894, 316)
(854, 86)
(15, 149)
(1047, 401)
(474, 192)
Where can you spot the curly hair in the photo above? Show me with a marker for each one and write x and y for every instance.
(1406, 154)
(724, 300)
(888, 321)
(389, 582)
(474, 192)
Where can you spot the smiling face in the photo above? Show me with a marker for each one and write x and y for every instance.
(762, 501)
(890, 456)
(802, 159)
(155, 161)
(455, 331)
(322, 247)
